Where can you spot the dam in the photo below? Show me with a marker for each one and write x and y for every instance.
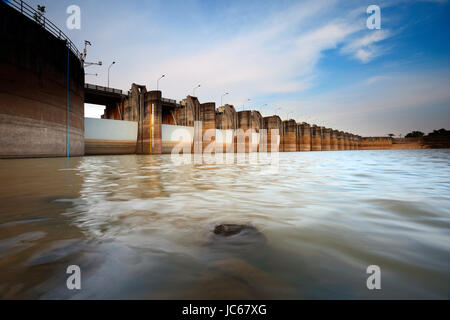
(105, 195)
(44, 92)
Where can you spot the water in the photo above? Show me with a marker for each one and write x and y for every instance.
(141, 227)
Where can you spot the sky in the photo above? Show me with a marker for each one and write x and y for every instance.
(313, 61)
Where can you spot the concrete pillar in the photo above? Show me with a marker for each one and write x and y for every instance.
(227, 122)
(345, 138)
(334, 140)
(150, 120)
(341, 142)
(260, 134)
(208, 118)
(289, 143)
(316, 138)
(244, 135)
(274, 127)
(303, 137)
(326, 139)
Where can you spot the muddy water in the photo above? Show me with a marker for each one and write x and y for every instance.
(142, 227)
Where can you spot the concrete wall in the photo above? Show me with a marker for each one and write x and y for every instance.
(274, 127)
(340, 139)
(104, 136)
(326, 139)
(303, 137)
(289, 142)
(316, 138)
(334, 140)
(33, 97)
(376, 143)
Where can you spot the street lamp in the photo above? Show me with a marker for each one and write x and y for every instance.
(193, 90)
(108, 70)
(244, 104)
(157, 81)
(275, 112)
(221, 97)
(287, 115)
(262, 107)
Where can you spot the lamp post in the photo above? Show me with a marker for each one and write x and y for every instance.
(262, 107)
(287, 115)
(157, 81)
(221, 98)
(108, 70)
(193, 90)
(243, 105)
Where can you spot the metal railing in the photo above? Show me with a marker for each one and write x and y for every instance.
(166, 100)
(36, 16)
(101, 88)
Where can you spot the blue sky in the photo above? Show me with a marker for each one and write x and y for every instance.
(313, 61)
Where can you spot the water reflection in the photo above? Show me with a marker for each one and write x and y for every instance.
(141, 227)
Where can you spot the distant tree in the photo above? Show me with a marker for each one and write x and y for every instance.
(415, 134)
(440, 132)
(39, 14)
(391, 135)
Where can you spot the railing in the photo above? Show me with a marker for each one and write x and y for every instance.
(168, 100)
(36, 16)
(101, 88)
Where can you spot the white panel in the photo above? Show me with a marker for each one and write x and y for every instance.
(106, 129)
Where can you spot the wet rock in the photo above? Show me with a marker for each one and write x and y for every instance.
(237, 234)
(232, 229)
(236, 240)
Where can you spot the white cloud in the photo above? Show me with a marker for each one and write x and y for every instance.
(364, 48)
(279, 55)
(381, 104)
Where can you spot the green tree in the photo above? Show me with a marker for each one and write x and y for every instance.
(391, 135)
(415, 134)
(440, 132)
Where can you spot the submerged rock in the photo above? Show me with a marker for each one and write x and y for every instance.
(232, 229)
(238, 234)
(233, 240)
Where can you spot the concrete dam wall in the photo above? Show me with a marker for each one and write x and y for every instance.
(34, 66)
(42, 110)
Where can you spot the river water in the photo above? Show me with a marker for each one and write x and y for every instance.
(142, 227)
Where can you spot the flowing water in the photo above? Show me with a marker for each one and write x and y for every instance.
(142, 227)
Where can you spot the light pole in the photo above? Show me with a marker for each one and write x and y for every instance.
(221, 98)
(287, 115)
(243, 105)
(108, 70)
(157, 81)
(193, 90)
(262, 107)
